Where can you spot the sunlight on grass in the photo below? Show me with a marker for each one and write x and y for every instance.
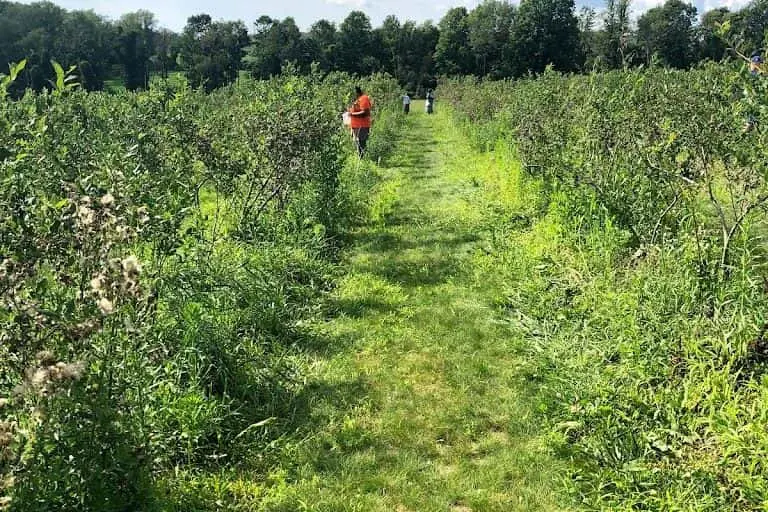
(446, 421)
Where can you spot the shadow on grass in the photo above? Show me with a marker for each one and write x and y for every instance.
(388, 242)
(318, 402)
(315, 425)
(422, 271)
(305, 431)
(413, 152)
(361, 308)
(297, 410)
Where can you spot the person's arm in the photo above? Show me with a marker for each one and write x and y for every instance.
(363, 110)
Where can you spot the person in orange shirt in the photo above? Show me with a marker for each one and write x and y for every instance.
(360, 117)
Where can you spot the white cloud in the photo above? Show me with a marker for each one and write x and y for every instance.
(732, 5)
(349, 3)
(640, 6)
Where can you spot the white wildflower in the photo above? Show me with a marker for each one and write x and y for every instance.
(131, 266)
(4, 402)
(107, 200)
(45, 357)
(8, 483)
(143, 214)
(105, 306)
(123, 232)
(97, 283)
(115, 264)
(54, 372)
(71, 371)
(86, 328)
(39, 378)
(37, 416)
(85, 215)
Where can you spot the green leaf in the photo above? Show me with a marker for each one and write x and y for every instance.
(17, 68)
(60, 76)
(724, 28)
(682, 157)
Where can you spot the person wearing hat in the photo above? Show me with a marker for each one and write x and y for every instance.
(360, 120)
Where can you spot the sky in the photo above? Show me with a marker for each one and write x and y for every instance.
(174, 13)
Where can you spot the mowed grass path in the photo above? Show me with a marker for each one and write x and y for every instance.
(416, 405)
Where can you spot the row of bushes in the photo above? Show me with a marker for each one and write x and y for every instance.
(158, 252)
(638, 277)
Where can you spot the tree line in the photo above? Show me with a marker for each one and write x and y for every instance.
(496, 39)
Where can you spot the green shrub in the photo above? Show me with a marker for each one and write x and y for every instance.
(639, 284)
(158, 254)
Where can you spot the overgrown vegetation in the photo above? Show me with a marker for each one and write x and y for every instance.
(635, 268)
(158, 255)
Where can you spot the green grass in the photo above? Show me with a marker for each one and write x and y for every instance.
(414, 400)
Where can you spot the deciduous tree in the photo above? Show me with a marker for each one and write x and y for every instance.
(668, 33)
(453, 55)
(211, 52)
(546, 32)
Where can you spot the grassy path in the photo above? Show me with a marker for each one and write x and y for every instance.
(419, 405)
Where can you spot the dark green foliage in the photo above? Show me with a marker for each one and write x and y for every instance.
(667, 32)
(713, 47)
(277, 43)
(490, 26)
(211, 52)
(452, 54)
(613, 39)
(407, 52)
(546, 32)
(357, 50)
(42, 31)
(751, 24)
(100, 49)
(135, 46)
(323, 38)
